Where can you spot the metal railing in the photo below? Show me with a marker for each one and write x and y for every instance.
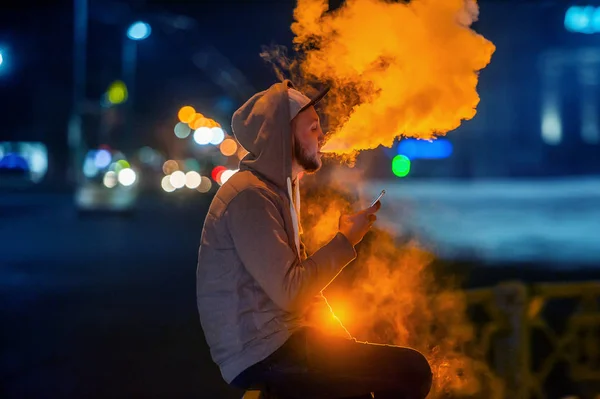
(541, 336)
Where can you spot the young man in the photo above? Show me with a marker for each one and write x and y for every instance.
(255, 284)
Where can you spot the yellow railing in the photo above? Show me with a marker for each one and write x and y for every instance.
(527, 346)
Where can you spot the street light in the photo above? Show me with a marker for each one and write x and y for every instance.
(135, 32)
(139, 31)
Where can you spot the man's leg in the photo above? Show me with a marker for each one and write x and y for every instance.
(314, 365)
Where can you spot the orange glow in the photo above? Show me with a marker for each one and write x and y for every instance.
(395, 69)
(390, 295)
(186, 114)
(197, 121)
(200, 120)
(228, 147)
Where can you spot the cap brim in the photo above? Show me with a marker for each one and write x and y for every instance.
(315, 99)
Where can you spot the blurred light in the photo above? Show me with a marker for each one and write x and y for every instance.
(38, 161)
(117, 93)
(120, 165)
(422, 149)
(192, 179)
(166, 185)
(110, 179)
(205, 185)
(170, 166)
(89, 168)
(126, 176)
(148, 155)
(182, 130)
(186, 114)
(582, 19)
(215, 172)
(218, 135)
(551, 126)
(102, 159)
(228, 147)
(401, 165)
(226, 175)
(197, 121)
(203, 135)
(1, 58)
(192, 164)
(139, 31)
(177, 179)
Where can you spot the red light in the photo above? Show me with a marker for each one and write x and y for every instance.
(215, 174)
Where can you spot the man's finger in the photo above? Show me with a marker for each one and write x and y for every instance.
(374, 208)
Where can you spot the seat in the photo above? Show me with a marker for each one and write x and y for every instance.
(260, 391)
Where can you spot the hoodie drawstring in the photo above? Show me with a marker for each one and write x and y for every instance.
(295, 211)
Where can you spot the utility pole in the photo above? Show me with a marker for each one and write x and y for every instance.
(75, 128)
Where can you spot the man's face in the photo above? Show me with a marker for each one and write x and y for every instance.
(308, 140)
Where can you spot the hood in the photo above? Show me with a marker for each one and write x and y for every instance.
(262, 127)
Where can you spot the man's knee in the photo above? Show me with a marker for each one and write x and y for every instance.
(420, 373)
(424, 375)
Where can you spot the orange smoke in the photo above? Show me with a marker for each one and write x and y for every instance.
(391, 294)
(395, 69)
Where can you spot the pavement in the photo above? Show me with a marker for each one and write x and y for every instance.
(103, 305)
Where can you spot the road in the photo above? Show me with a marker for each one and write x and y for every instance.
(101, 306)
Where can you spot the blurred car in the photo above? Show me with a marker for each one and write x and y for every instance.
(109, 184)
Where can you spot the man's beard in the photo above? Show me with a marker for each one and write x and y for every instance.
(309, 163)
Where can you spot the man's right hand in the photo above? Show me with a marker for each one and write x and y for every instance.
(355, 226)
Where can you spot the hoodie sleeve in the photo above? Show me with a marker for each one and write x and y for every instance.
(258, 233)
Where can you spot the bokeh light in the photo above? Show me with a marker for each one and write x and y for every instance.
(226, 175)
(216, 171)
(218, 135)
(401, 165)
(102, 159)
(169, 167)
(119, 165)
(110, 179)
(186, 114)
(139, 31)
(126, 176)
(166, 185)
(203, 135)
(205, 185)
(89, 168)
(182, 130)
(192, 179)
(228, 147)
(117, 93)
(177, 179)
(192, 164)
(198, 121)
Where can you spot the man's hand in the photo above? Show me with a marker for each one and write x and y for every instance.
(356, 225)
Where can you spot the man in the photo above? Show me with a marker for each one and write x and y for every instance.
(255, 284)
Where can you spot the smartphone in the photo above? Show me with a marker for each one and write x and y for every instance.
(378, 198)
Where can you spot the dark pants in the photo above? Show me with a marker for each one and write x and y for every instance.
(313, 365)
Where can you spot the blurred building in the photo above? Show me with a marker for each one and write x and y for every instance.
(538, 115)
